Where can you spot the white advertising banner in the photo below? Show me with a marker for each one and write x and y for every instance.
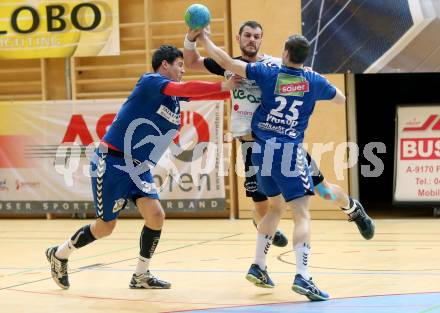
(417, 171)
(45, 150)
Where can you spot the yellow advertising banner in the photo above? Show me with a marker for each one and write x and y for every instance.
(32, 29)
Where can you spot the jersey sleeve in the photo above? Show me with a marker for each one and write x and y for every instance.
(256, 71)
(213, 67)
(325, 90)
(192, 88)
(153, 84)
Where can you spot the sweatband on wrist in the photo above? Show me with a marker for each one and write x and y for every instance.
(189, 45)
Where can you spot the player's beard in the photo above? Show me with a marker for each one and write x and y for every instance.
(249, 54)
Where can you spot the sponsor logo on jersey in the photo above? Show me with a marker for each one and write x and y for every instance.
(167, 114)
(270, 127)
(290, 85)
(243, 112)
(253, 95)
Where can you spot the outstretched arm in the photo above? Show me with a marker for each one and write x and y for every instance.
(221, 57)
(193, 59)
(196, 88)
(339, 97)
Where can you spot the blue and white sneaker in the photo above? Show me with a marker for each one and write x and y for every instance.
(307, 288)
(259, 277)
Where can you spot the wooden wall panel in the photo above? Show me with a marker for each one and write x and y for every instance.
(21, 80)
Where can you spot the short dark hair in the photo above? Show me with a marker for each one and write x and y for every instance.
(167, 53)
(298, 48)
(251, 24)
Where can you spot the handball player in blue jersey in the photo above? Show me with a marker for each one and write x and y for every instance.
(246, 97)
(142, 130)
(288, 98)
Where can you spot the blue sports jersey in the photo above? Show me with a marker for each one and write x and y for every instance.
(144, 139)
(288, 99)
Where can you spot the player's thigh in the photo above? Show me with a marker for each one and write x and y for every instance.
(300, 207)
(146, 198)
(277, 203)
(110, 187)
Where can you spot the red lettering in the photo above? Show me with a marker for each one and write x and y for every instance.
(77, 128)
(420, 149)
(104, 122)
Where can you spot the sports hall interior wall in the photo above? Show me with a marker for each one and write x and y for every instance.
(144, 26)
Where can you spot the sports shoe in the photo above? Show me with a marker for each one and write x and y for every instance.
(279, 239)
(363, 222)
(148, 281)
(307, 288)
(259, 277)
(58, 268)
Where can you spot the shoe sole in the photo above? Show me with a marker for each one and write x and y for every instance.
(149, 287)
(310, 295)
(48, 256)
(373, 227)
(280, 245)
(257, 282)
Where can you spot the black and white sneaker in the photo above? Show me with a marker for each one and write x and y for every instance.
(148, 281)
(363, 222)
(58, 268)
(279, 239)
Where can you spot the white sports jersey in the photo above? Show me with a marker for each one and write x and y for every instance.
(245, 100)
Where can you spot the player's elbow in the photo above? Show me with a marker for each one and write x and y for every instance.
(193, 62)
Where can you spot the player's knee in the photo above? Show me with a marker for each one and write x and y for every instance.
(301, 213)
(261, 207)
(104, 229)
(156, 215)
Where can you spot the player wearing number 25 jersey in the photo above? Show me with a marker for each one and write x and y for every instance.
(288, 100)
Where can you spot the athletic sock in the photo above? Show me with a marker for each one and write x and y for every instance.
(263, 244)
(142, 265)
(350, 208)
(63, 252)
(302, 251)
(81, 238)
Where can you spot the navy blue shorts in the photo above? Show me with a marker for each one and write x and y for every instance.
(289, 176)
(113, 187)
